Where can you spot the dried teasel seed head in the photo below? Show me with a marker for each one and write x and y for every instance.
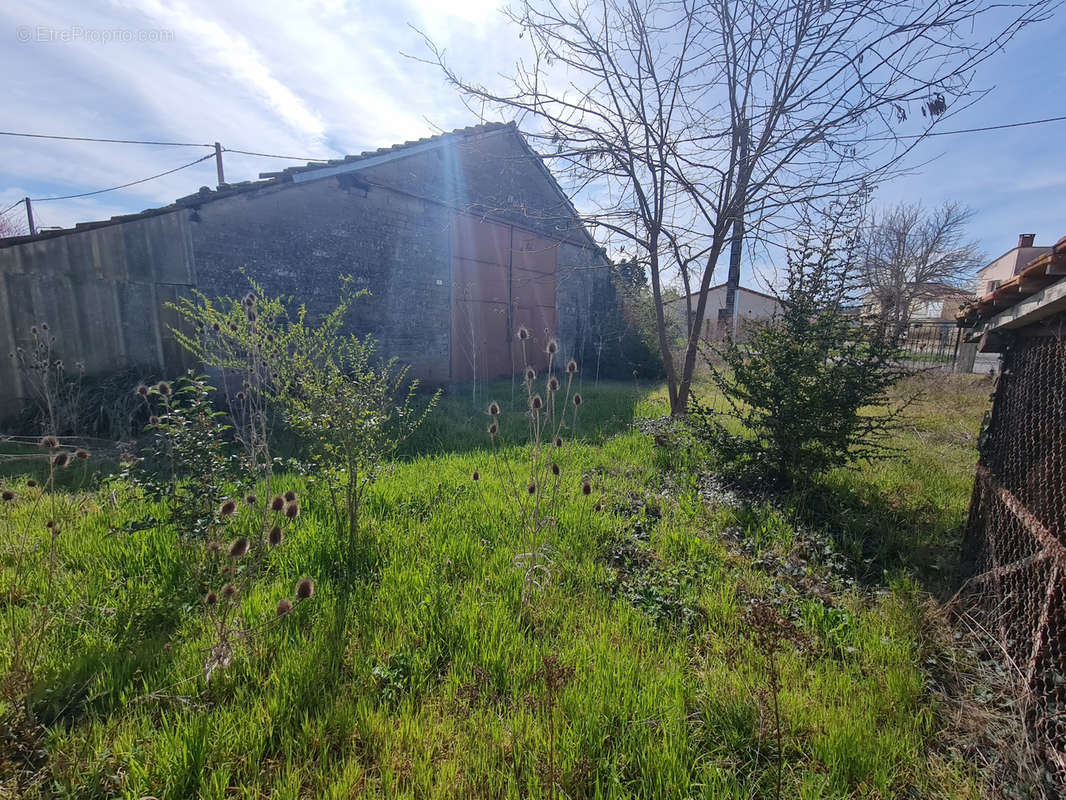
(523, 333)
(213, 547)
(290, 496)
(275, 536)
(493, 429)
(50, 524)
(50, 442)
(81, 454)
(586, 488)
(216, 327)
(31, 483)
(555, 469)
(552, 348)
(292, 510)
(153, 420)
(239, 547)
(532, 488)
(211, 599)
(598, 506)
(239, 397)
(476, 476)
(284, 606)
(305, 589)
(558, 442)
(163, 388)
(251, 499)
(535, 402)
(571, 367)
(7, 495)
(494, 409)
(577, 399)
(531, 374)
(228, 591)
(142, 390)
(61, 459)
(228, 508)
(278, 503)
(553, 384)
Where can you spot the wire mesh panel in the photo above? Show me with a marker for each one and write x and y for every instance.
(1015, 542)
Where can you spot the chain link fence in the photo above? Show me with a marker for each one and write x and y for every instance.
(1015, 540)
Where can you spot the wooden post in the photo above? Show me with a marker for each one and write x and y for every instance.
(29, 217)
(218, 164)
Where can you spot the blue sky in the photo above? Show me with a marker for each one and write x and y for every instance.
(320, 78)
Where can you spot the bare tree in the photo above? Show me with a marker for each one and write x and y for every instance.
(912, 253)
(11, 224)
(670, 120)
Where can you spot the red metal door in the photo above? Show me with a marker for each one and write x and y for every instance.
(502, 278)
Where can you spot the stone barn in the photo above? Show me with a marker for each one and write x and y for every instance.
(460, 238)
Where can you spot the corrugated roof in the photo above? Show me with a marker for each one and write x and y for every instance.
(396, 149)
(1038, 274)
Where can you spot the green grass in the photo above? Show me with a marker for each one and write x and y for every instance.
(417, 675)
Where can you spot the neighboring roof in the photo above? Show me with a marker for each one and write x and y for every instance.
(1018, 253)
(316, 171)
(1040, 287)
(722, 286)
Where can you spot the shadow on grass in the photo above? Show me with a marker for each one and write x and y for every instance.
(459, 423)
(883, 533)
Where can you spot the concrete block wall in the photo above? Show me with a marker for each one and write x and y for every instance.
(102, 293)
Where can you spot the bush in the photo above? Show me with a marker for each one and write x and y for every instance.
(809, 387)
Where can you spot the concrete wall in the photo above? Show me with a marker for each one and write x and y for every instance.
(102, 294)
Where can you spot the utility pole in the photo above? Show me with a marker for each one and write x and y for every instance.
(218, 164)
(29, 217)
(736, 248)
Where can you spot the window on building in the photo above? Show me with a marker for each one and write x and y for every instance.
(993, 285)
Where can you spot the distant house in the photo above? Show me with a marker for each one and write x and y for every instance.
(990, 277)
(933, 302)
(751, 307)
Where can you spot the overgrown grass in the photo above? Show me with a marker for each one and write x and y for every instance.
(424, 675)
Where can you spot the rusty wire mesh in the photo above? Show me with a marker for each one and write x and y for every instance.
(1015, 544)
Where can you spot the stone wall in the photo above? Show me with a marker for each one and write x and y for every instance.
(299, 240)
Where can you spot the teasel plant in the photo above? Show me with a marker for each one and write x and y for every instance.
(536, 485)
(54, 386)
(236, 558)
(34, 503)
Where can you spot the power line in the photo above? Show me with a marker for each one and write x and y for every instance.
(967, 130)
(125, 185)
(271, 155)
(109, 141)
